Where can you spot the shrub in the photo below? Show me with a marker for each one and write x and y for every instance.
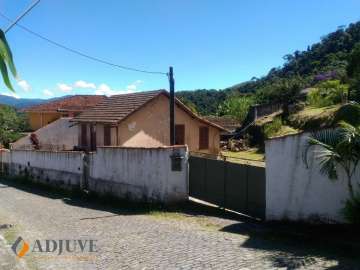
(351, 211)
(237, 107)
(349, 113)
(328, 93)
(270, 129)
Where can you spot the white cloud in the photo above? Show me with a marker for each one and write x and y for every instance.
(14, 95)
(48, 93)
(83, 84)
(104, 89)
(133, 86)
(24, 85)
(64, 87)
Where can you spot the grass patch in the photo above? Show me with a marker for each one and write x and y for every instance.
(311, 118)
(167, 214)
(251, 154)
(10, 234)
(272, 128)
(202, 221)
(285, 130)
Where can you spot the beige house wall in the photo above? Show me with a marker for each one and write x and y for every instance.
(58, 135)
(38, 120)
(149, 127)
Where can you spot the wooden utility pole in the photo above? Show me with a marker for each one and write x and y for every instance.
(172, 106)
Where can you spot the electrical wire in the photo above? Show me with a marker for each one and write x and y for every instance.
(22, 15)
(78, 52)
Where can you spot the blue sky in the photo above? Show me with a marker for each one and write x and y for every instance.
(211, 44)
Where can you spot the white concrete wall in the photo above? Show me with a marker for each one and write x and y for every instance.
(60, 161)
(142, 174)
(4, 161)
(58, 135)
(4, 155)
(63, 169)
(297, 193)
(139, 173)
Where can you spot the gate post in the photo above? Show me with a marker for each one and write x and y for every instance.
(225, 179)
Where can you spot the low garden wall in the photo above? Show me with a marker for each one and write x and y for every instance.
(63, 169)
(142, 174)
(295, 192)
(139, 173)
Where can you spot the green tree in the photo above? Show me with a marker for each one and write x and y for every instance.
(6, 61)
(353, 72)
(189, 104)
(11, 125)
(237, 107)
(339, 148)
(283, 91)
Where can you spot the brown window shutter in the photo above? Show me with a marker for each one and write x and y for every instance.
(107, 135)
(179, 134)
(83, 135)
(203, 138)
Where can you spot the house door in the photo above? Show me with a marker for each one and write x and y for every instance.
(93, 138)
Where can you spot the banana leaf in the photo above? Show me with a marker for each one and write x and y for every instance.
(6, 61)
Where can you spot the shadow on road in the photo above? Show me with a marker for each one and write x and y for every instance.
(295, 246)
(114, 205)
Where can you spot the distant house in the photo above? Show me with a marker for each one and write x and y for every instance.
(43, 114)
(142, 120)
(229, 123)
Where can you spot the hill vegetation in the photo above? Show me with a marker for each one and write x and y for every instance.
(336, 57)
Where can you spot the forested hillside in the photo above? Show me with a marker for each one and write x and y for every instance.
(326, 60)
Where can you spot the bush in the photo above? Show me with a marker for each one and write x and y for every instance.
(270, 129)
(351, 210)
(237, 107)
(349, 113)
(328, 93)
(12, 124)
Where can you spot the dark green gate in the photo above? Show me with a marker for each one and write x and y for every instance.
(233, 186)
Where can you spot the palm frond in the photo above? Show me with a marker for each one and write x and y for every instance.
(5, 75)
(327, 139)
(6, 61)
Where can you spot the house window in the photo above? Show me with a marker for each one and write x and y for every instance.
(83, 141)
(107, 135)
(203, 138)
(179, 134)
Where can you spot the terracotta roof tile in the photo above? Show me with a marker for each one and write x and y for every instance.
(77, 103)
(115, 108)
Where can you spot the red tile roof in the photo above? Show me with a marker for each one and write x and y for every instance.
(116, 108)
(77, 103)
(226, 122)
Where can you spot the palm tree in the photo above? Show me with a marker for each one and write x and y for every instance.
(6, 61)
(339, 148)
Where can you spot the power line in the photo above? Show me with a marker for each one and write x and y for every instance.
(22, 15)
(78, 52)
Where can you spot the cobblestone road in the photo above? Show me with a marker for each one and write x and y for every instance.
(131, 240)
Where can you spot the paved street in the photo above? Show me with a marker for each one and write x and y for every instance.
(135, 240)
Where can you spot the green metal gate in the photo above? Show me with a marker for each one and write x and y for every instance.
(233, 186)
